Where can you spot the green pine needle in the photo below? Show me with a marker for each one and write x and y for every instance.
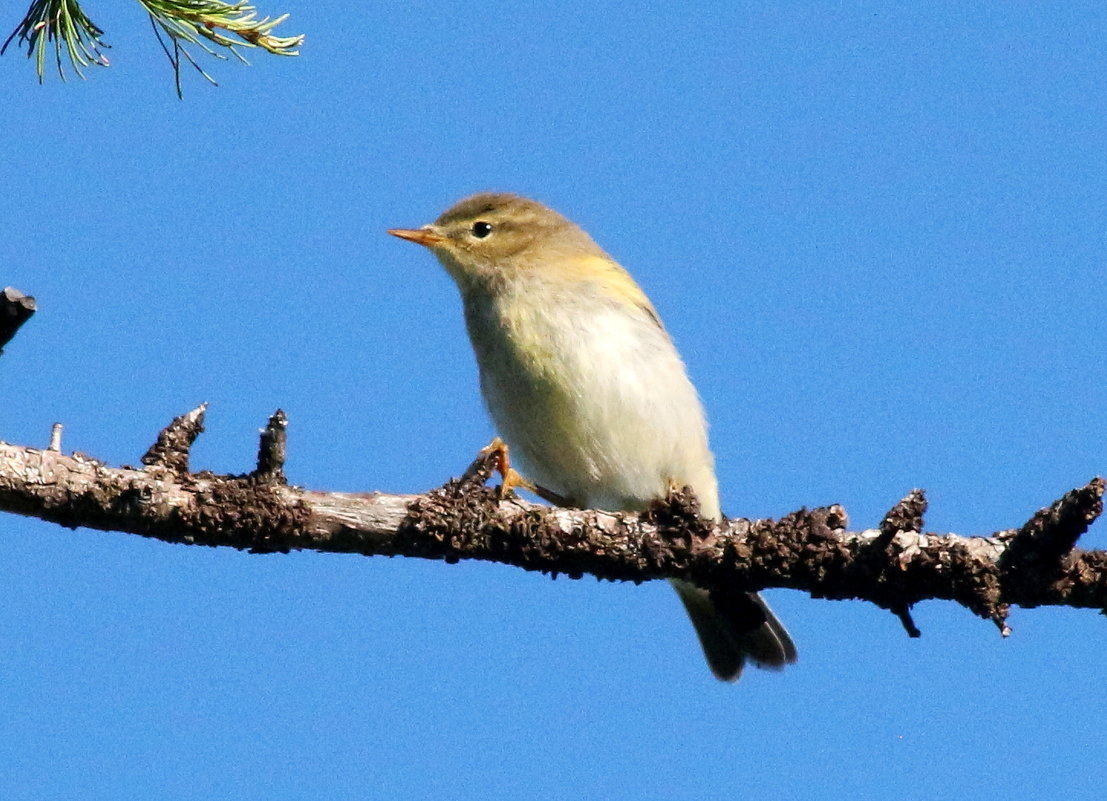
(210, 25)
(204, 22)
(64, 23)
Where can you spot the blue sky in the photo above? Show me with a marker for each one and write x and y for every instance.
(877, 234)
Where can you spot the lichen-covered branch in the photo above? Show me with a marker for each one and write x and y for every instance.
(893, 566)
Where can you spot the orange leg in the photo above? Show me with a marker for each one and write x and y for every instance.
(512, 478)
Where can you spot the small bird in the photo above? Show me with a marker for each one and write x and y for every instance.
(587, 389)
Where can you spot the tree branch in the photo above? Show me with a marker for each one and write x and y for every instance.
(894, 566)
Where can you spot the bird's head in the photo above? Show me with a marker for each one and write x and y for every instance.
(493, 237)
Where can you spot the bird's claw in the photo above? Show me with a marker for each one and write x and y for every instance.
(511, 478)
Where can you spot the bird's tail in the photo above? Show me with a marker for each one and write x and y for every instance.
(734, 627)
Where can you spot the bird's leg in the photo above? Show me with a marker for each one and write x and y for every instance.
(512, 478)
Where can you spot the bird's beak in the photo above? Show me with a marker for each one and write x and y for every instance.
(420, 236)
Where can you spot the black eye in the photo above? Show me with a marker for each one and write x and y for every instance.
(481, 229)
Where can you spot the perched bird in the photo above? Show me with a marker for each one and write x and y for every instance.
(586, 388)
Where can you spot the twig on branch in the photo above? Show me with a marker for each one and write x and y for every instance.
(894, 566)
(907, 515)
(15, 309)
(905, 619)
(174, 442)
(272, 446)
(55, 438)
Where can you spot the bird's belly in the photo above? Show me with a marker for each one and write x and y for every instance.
(568, 443)
(597, 408)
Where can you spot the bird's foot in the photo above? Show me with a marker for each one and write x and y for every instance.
(512, 478)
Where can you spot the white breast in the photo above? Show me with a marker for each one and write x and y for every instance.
(591, 397)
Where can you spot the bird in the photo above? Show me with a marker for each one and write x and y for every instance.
(587, 390)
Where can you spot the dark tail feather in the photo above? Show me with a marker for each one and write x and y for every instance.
(734, 627)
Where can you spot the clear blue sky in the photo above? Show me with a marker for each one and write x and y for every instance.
(878, 234)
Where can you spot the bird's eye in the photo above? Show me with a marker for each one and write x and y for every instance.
(481, 229)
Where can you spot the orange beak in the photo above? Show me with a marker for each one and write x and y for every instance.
(420, 236)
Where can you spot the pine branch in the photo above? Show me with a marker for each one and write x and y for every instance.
(211, 25)
(207, 23)
(64, 23)
(893, 566)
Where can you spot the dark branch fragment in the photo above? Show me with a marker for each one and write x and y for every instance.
(272, 449)
(175, 441)
(15, 309)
